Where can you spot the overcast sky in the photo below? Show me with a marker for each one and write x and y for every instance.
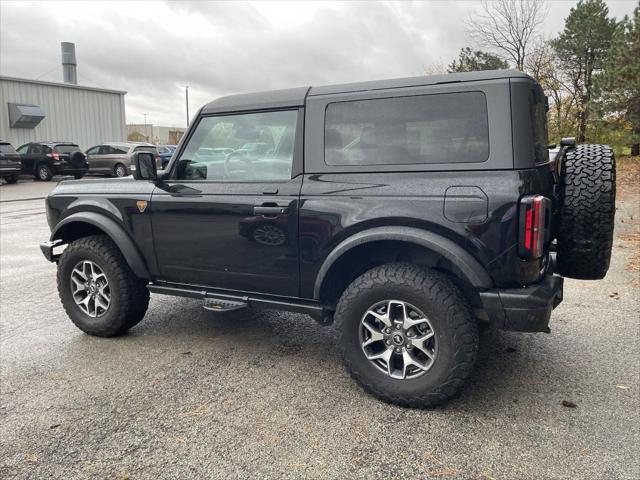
(152, 50)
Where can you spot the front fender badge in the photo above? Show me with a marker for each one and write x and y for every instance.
(142, 205)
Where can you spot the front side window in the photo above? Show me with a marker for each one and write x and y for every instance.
(23, 149)
(247, 147)
(93, 150)
(425, 129)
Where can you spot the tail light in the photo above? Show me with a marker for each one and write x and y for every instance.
(535, 222)
(54, 155)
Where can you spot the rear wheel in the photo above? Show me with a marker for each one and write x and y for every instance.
(587, 211)
(43, 172)
(120, 170)
(407, 335)
(98, 290)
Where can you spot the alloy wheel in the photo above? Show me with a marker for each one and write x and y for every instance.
(90, 288)
(398, 339)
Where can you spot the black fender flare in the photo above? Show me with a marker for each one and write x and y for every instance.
(114, 231)
(470, 268)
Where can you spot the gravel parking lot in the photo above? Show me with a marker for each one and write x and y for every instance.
(190, 394)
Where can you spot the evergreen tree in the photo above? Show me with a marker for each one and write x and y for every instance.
(618, 88)
(471, 61)
(582, 49)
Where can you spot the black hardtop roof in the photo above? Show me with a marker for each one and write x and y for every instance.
(295, 97)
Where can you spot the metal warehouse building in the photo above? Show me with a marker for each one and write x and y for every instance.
(32, 110)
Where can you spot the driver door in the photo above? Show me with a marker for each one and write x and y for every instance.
(228, 217)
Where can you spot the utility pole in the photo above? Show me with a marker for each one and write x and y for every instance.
(146, 134)
(186, 96)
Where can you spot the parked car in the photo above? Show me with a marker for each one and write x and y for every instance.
(165, 152)
(10, 165)
(446, 213)
(114, 159)
(46, 159)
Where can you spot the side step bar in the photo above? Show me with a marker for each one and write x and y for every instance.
(226, 300)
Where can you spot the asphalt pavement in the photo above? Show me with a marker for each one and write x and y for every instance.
(191, 394)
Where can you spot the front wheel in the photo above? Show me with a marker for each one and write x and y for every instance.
(407, 335)
(98, 290)
(11, 179)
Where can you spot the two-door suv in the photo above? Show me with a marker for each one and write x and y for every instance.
(405, 212)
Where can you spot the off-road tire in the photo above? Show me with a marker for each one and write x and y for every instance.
(587, 211)
(43, 173)
(447, 310)
(11, 179)
(129, 294)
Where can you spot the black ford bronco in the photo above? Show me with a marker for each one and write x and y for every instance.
(405, 212)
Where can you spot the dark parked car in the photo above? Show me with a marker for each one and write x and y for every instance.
(406, 212)
(165, 152)
(114, 158)
(46, 159)
(10, 165)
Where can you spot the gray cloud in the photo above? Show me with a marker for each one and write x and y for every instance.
(152, 50)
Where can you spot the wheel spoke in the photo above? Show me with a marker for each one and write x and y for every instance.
(412, 322)
(407, 361)
(385, 319)
(375, 335)
(419, 343)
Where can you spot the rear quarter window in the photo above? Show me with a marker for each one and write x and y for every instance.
(424, 129)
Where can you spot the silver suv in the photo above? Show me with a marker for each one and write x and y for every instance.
(114, 158)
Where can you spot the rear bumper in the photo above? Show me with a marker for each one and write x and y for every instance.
(69, 169)
(11, 170)
(525, 309)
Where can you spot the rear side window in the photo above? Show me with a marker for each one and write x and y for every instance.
(66, 148)
(538, 111)
(6, 148)
(425, 129)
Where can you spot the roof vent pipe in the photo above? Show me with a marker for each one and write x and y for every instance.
(69, 73)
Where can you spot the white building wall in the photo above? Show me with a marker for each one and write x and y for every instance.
(84, 115)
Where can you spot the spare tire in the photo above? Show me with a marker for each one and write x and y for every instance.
(77, 158)
(587, 210)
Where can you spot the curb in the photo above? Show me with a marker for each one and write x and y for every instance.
(22, 199)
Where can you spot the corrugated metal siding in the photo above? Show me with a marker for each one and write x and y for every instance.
(86, 117)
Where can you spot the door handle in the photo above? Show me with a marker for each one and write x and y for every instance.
(269, 210)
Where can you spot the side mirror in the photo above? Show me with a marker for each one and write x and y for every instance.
(144, 164)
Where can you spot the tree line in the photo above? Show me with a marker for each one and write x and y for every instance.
(590, 71)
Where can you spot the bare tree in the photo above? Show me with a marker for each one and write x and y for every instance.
(542, 65)
(508, 27)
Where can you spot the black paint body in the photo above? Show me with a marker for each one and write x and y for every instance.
(198, 234)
